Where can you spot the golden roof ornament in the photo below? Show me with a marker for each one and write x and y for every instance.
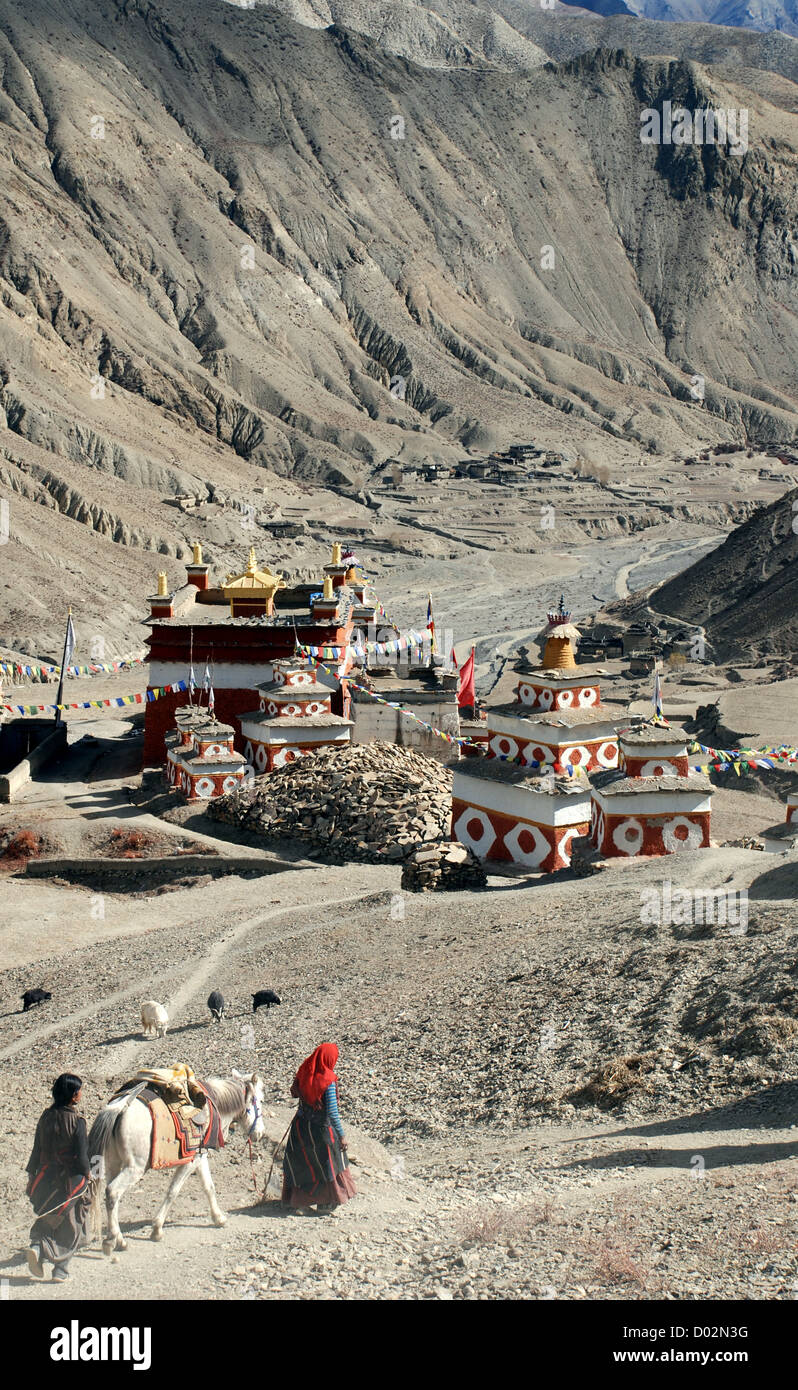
(253, 583)
(162, 589)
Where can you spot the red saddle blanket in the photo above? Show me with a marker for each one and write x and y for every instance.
(178, 1136)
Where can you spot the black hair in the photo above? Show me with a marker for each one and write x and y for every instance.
(65, 1088)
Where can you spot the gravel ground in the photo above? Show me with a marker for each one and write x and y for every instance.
(468, 1025)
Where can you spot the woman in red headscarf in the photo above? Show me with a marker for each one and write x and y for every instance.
(315, 1167)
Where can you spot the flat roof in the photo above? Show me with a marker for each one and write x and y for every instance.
(294, 722)
(559, 718)
(616, 783)
(654, 733)
(495, 770)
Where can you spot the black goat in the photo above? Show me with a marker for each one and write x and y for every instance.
(34, 996)
(265, 996)
(216, 1005)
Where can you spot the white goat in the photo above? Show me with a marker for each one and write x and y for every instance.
(154, 1019)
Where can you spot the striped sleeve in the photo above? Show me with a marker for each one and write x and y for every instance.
(331, 1107)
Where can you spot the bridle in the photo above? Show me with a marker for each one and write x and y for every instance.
(256, 1107)
(257, 1115)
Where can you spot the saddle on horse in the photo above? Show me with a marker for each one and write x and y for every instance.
(184, 1119)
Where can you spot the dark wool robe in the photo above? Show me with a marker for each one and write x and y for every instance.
(315, 1167)
(59, 1187)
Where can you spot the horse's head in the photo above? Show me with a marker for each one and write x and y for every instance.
(252, 1115)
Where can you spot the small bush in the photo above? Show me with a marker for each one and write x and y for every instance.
(616, 1264)
(617, 1079)
(129, 844)
(491, 1223)
(21, 847)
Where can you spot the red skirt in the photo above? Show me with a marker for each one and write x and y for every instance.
(315, 1168)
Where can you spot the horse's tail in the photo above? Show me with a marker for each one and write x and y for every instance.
(100, 1136)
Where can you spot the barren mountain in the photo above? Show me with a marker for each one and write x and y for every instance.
(233, 247)
(750, 14)
(522, 33)
(745, 593)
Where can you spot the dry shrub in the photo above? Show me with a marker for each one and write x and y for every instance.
(765, 1034)
(129, 844)
(25, 845)
(768, 1240)
(617, 1079)
(490, 1223)
(616, 1264)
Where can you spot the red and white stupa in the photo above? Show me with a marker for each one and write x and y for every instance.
(294, 717)
(652, 803)
(557, 719)
(508, 812)
(520, 803)
(653, 750)
(558, 682)
(792, 807)
(200, 759)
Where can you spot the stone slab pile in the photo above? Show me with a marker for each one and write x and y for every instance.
(442, 868)
(366, 803)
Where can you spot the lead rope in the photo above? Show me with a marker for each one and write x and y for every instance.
(263, 1195)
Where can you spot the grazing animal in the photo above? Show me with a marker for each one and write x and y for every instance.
(216, 1005)
(154, 1019)
(265, 996)
(120, 1144)
(34, 996)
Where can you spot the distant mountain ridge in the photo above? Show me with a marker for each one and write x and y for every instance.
(227, 238)
(763, 15)
(522, 34)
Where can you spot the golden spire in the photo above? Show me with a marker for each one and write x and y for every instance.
(328, 586)
(197, 553)
(252, 563)
(162, 589)
(336, 553)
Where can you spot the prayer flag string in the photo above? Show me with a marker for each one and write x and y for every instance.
(115, 701)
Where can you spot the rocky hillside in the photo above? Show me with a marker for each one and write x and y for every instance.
(234, 248)
(745, 593)
(515, 33)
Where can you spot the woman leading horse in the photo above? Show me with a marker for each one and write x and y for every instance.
(316, 1167)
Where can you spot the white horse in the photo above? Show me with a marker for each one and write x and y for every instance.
(121, 1139)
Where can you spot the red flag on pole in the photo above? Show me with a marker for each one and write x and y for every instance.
(466, 695)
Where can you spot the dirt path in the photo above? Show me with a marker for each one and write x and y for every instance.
(557, 1212)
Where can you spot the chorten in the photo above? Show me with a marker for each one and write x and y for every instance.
(197, 573)
(294, 718)
(558, 683)
(653, 803)
(653, 750)
(559, 636)
(508, 812)
(337, 568)
(200, 759)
